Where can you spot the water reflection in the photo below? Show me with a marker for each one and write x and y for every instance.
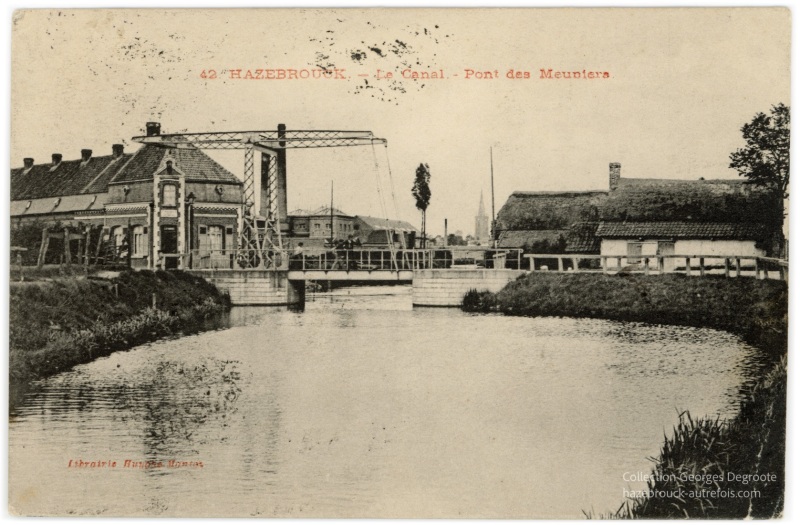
(363, 406)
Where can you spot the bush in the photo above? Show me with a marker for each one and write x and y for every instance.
(475, 301)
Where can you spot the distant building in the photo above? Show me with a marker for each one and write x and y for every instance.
(376, 232)
(316, 228)
(481, 224)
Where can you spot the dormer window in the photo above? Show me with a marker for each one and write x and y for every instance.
(169, 195)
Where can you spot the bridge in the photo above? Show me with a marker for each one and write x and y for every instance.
(261, 269)
(441, 276)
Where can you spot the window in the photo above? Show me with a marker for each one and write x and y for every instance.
(216, 236)
(140, 241)
(169, 195)
(119, 243)
(213, 239)
(118, 235)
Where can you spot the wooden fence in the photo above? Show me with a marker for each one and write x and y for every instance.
(700, 265)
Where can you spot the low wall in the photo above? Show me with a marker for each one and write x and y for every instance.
(448, 287)
(256, 287)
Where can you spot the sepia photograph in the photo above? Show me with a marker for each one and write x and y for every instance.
(492, 263)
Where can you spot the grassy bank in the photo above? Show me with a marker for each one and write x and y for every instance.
(753, 309)
(56, 324)
(698, 473)
(695, 474)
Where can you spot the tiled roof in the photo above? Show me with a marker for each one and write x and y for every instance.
(66, 204)
(681, 230)
(386, 224)
(70, 177)
(194, 163)
(75, 177)
(326, 211)
(583, 238)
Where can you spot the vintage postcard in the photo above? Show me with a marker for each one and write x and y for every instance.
(399, 263)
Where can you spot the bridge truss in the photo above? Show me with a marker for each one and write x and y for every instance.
(260, 235)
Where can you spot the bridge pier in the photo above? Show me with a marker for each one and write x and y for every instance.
(256, 287)
(447, 287)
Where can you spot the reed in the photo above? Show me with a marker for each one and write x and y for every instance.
(698, 473)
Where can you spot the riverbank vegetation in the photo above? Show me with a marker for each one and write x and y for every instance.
(712, 468)
(695, 475)
(56, 324)
(756, 310)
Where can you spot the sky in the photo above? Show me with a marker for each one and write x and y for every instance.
(681, 83)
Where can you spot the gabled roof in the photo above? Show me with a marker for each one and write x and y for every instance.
(69, 177)
(194, 163)
(326, 211)
(376, 223)
(680, 230)
(76, 177)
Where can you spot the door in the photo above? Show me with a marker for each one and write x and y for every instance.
(667, 248)
(169, 246)
(634, 255)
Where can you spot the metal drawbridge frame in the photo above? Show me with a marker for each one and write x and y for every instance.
(260, 237)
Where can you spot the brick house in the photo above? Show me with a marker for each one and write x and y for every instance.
(165, 202)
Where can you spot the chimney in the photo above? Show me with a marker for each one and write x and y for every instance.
(153, 129)
(614, 170)
(118, 150)
(28, 162)
(56, 159)
(86, 154)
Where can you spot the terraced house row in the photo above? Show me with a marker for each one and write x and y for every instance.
(167, 201)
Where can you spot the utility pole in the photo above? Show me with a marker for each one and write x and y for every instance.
(445, 233)
(491, 171)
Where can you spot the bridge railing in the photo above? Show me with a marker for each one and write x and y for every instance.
(234, 259)
(699, 265)
(377, 259)
(361, 259)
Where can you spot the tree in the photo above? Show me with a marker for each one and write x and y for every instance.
(764, 160)
(422, 193)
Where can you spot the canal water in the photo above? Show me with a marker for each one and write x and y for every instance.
(362, 406)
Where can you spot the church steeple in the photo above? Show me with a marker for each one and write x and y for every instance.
(481, 223)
